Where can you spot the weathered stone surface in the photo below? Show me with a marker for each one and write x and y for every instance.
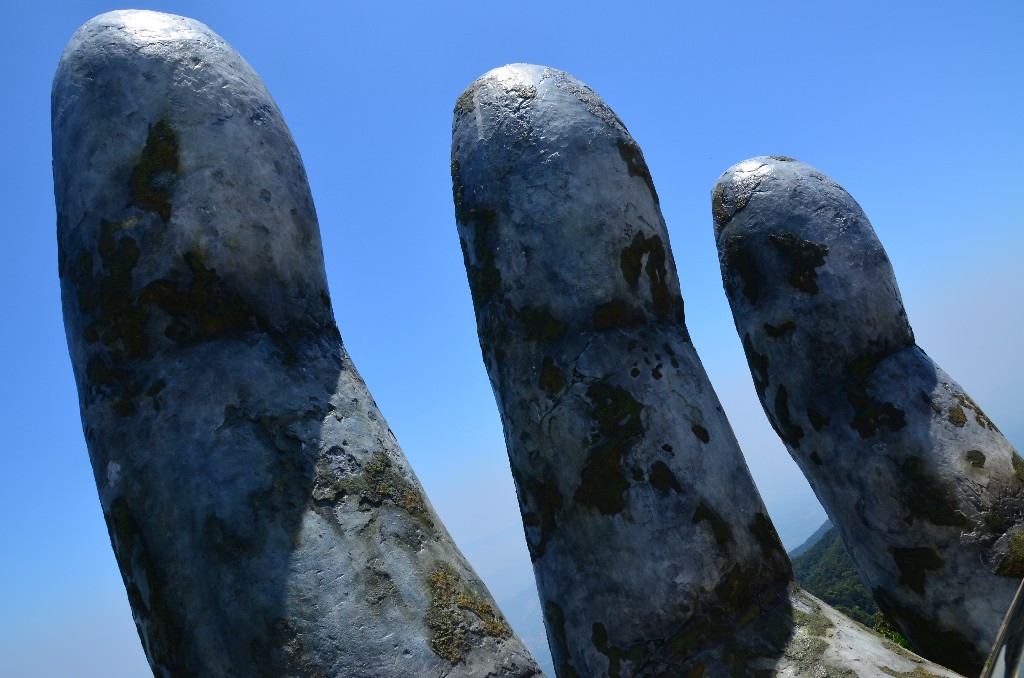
(653, 552)
(264, 518)
(924, 490)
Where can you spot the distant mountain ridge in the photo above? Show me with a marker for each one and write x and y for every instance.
(823, 568)
(812, 540)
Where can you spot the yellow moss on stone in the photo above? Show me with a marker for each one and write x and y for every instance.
(456, 613)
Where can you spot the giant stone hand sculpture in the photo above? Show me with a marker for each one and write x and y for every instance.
(925, 491)
(264, 518)
(653, 552)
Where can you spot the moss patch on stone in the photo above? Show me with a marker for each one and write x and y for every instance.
(456, 613)
(975, 458)
(1011, 563)
(980, 417)
(918, 672)
(1018, 466)
(375, 482)
(957, 417)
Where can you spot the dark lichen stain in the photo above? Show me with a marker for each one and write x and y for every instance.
(927, 400)
(456, 613)
(816, 459)
(719, 528)
(870, 414)
(154, 174)
(481, 269)
(817, 419)
(768, 539)
(671, 355)
(975, 458)
(635, 372)
(787, 429)
(948, 648)
(224, 540)
(207, 308)
(929, 497)
(805, 258)
(753, 600)
(540, 503)
(781, 330)
(701, 433)
(118, 322)
(758, 366)
(914, 563)
(635, 163)
(782, 158)
(161, 633)
(617, 416)
(631, 261)
(558, 640)
(662, 478)
(737, 260)
(551, 379)
(539, 325)
(616, 313)
(616, 656)
(465, 103)
(719, 212)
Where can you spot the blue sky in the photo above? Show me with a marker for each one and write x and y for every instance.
(915, 108)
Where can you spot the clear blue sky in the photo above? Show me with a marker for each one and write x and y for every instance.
(914, 107)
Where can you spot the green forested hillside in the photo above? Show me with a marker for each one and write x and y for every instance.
(826, 571)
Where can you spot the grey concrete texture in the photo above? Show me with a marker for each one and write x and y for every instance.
(264, 518)
(653, 552)
(924, 490)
